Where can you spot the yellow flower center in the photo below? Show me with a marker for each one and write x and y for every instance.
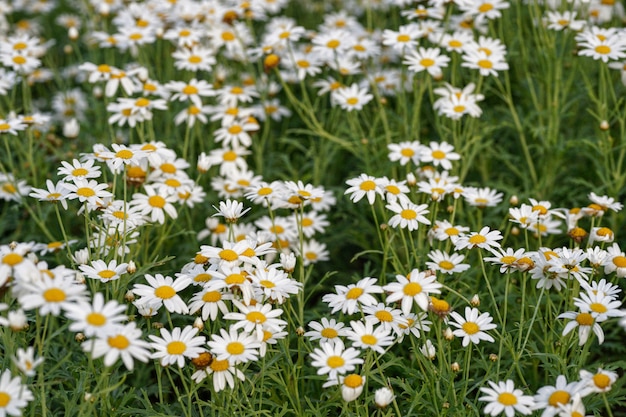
(156, 201)
(619, 261)
(484, 8)
(54, 295)
(470, 327)
(96, 319)
(212, 297)
(335, 361)
(12, 259)
(168, 168)
(485, 63)
(354, 293)
(459, 108)
(277, 229)
(353, 381)
(4, 126)
(455, 43)
(603, 49)
(85, 192)
(234, 279)
(438, 154)
(447, 265)
(384, 316)
(228, 36)
(601, 381)
(352, 101)
(369, 339)
(427, 62)
(235, 129)
(176, 347)
(256, 317)
(106, 274)
(329, 333)
(135, 36)
(408, 214)
(333, 44)
(452, 231)
(19, 60)
(219, 366)
(119, 342)
(558, 397)
(412, 289)
(584, 319)
(507, 399)
(477, 239)
(104, 68)
(267, 284)
(189, 90)
(165, 292)
(235, 348)
(598, 307)
(142, 102)
(403, 38)
(124, 154)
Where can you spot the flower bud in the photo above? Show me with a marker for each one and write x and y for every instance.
(383, 397)
(428, 350)
(448, 335)
(79, 337)
(455, 367)
(300, 331)
(72, 33)
(198, 323)
(475, 301)
(132, 267)
(604, 125)
(17, 320)
(493, 357)
(270, 62)
(129, 296)
(203, 163)
(71, 128)
(411, 180)
(514, 201)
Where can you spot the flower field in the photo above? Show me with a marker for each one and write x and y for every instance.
(290, 208)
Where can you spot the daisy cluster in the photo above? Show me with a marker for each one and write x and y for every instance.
(586, 277)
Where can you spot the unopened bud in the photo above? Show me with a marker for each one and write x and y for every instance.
(411, 180)
(435, 196)
(448, 335)
(67, 49)
(493, 357)
(129, 296)
(71, 128)
(79, 337)
(515, 231)
(89, 397)
(384, 226)
(104, 9)
(132, 267)
(157, 325)
(455, 367)
(300, 331)
(475, 301)
(514, 201)
(604, 125)
(198, 323)
(270, 62)
(13, 245)
(79, 278)
(97, 91)
(383, 397)
(450, 209)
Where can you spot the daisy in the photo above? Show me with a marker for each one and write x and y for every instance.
(550, 398)
(394, 190)
(405, 152)
(26, 362)
(223, 372)
(332, 44)
(508, 259)
(439, 154)
(601, 306)
(210, 300)
(473, 326)
(12, 126)
(192, 91)
(446, 263)
(274, 284)
(486, 64)
(14, 262)
(601, 381)
(403, 39)
(51, 295)
(234, 347)
(600, 204)
(364, 336)
(15, 396)
(313, 252)
(558, 21)
(174, 347)
(53, 193)
(334, 359)
(602, 47)
(351, 386)
(155, 203)
(305, 64)
(232, 95)
(615, 261)
(602, 288)
(123, 341)
(196, 58)
(504, 397)
(483, 9)
(415, 287)
(163, 291)
(456, 41)
(350, 298)
(408, 215)
(485, 239)
(256, 318)
(88, 191)
(122, 155)
(236, 134)
(96, 318)
(444, 230)
(351, 98)
(426, 59)
(585, 323)
(326, 331)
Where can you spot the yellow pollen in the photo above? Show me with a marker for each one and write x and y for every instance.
(228, 36)
(403, 38)
(306, 222)
(369, 339)
(235, 279)
(165, 292)
(124, 154)
(96, 319)
(236, 90)
(190, 89)
(541, 209)
(256, 317)
(219, 366)
(142, 102)
(228, 255)
(477, 239)
(277, 229)
(359, 48)
(601, 381)
(470, 327)
(156, 201)
(619, 261)
(452, 231)
(203, 277)
(507, 399)
(4, 126)
(455, 43)
(486, 51)
(12, 259)
(335, 361)
(392, 189)
(267, 284)
(54, 245)
(53, 196)
(329, 333)
(352, 101)
(311, 256)
(427, 62)
(603, 49)
(235, 129)
(104, 68)
(168, 168)
(212, 297)
(447, 265)
(176, 347)
(194, 59)
(18, 46)
(368, 185)
(408, 214)
(438, 154)
(106, 274)
(604, 231)
(508, 260)
(353, 381)
(172, 182)
(303, 63)
(333, 44)
(412, 289)
(558, 397)
(354, 293)
(19, 60)
(184, 33)
(135, 172)
(384, 316)
(484, 8)
(584, 319)
(54, 295)
(458, 108)
(80, 172)
(135, 36)
(235, 348)
(485, 63)
(598, 308)
(119, 342)
(85, 192)
(200, 259)
(148, 147)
